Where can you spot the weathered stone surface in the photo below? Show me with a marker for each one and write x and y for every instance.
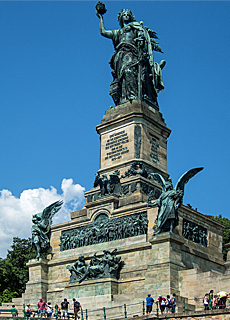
(118, 141)
(162, 264)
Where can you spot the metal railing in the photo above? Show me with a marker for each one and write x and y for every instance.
(132, 310)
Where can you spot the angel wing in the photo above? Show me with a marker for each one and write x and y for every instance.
(152, 33)
(186, 177)
(158, 177)
(49, 212)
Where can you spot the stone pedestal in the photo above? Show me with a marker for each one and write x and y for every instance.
(37, 285)
(134, 142)
(90, 292)
(133, 131)
(162, 273)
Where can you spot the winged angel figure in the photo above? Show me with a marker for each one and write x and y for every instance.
(41, 227)
(170, 199)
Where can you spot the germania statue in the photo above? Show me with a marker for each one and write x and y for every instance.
(41, 227)
(170, 200)
(135, 73)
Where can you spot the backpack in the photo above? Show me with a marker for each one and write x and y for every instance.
(64, 305)
(76, 305)
(169, 303)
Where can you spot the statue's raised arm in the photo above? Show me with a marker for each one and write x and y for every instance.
(136, 76)
(100, 11)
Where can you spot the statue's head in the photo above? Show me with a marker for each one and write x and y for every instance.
(81, 258)
(125, 15)
(168, 184)
(36, 217)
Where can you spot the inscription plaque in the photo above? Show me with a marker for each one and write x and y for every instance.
(154, 147)
(116, 145)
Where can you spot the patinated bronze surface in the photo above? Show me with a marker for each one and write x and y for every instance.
(135, 73)
(107, 266)
(104, 229)
(108, 186)
(194, 232)
(170, 200)
(41, 227)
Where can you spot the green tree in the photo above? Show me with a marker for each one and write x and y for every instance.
(226, 232)
(13, 270)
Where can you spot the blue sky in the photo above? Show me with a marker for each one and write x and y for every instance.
(54, 83)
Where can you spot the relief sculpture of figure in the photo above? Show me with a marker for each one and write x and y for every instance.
(109, 265)
(170, 200)
(41, 227)
(135, 73)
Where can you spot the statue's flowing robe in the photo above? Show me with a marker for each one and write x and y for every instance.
(125, 61)
(40, 234)
(168, 204)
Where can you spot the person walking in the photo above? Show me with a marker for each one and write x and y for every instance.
(149, 304)
(76, 306)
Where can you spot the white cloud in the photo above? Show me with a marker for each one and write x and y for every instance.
(16, 213)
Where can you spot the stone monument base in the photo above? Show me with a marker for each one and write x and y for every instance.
(133, 140)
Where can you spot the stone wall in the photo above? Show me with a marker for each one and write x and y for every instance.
(199, 315)
(194, 284)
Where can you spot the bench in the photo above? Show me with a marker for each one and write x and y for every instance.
(28, 314)
(5, 311)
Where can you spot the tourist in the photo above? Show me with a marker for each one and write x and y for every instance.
(64, 308)
(42, 308)
(76, 306)
(206, 301)
(211, 295)
(57, 309)
(28, 311)
(149, 304)
(14, 311)
(173, 303)
(162, 303)
(169, 304)
(215, 301)
(49, 310)
(222, 302)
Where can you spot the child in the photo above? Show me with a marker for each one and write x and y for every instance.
(14, 311)
(206, 301)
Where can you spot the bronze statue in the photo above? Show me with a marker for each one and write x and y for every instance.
(108, 186)
(108, 266)
(41, 227)
(170, 200)
(135, 73)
